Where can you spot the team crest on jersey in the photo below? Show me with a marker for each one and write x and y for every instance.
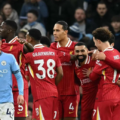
(71, 52)
(3, 63)
(11, 48)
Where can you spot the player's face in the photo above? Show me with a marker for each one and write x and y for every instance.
(81, 52)
(4, 30)
(28, 38)
(59, 33)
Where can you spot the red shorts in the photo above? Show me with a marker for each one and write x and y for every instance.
(106, 110)
(46, 109)
(86, 114)
(68, 106)
(21, 110)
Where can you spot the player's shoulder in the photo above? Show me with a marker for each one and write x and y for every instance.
(49, 49)
(8, 55)
(53, 45)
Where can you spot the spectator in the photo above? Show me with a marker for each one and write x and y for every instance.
(45, 41)
(74, 33)
(59, 10)
(102, 16)
(40, 7)
(85, 27)
(2, 18)
(9, 13)
(22, 33)
(116, 27)
(32, 16)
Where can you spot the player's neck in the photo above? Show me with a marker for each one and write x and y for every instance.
(9, 38)
(35, 43)
(104, 46)
(63, 42)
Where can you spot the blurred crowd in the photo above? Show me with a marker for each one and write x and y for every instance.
(82, 16)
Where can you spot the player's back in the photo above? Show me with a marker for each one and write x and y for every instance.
(43, 63)
(108, 89)
(67, 85)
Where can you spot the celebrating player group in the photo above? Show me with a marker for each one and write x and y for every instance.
(55, 75)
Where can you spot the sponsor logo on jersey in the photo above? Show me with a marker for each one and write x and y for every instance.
(19, 112)
(3, 63)
(116, 57)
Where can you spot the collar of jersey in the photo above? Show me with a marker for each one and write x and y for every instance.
(14, 39)
(108, 49)
(67, 45)
(38, 46)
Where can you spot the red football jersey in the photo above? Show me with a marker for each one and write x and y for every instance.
(15, 48)
(107, 88)
(89, 87)
(67, 85)
(42, 65)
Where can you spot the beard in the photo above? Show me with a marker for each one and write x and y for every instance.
(81, 60)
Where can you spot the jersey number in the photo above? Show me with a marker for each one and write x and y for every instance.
(41, 68)
(114, 76)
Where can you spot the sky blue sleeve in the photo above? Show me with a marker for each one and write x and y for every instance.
(16, 71)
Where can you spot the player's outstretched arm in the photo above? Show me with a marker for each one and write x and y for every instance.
(59, 75)
(16, 71)
(115, 63)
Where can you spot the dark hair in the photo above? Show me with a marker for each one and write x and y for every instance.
(80, 44)
(5, 3)
(115, 18)
(112, 39)
(35, 34)
(11, 23)
(45, 40)
(64, 24)
(33, 12)
(102, 34)
(101, 2)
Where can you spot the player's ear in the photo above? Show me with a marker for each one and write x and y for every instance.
(66, 32)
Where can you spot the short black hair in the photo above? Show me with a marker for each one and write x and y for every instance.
(12, 24)
(112, 39)
(102, 34)
(33, 12)
(80, 44)
(101, 2)
(115, 18)
(64, 24)
(45, 40)
(35, 34)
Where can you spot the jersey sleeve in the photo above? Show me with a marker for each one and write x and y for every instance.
(58, 62)
(113, 61)
(64, 57)
(97, 71)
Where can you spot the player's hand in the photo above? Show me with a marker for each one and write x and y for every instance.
(87, 72)
(22, 41)
(20, 99)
